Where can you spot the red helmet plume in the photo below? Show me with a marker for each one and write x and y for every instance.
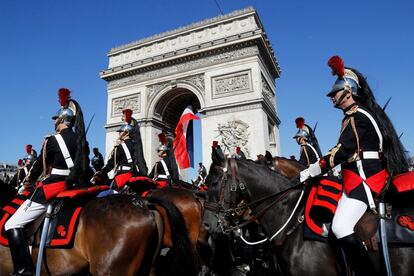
(20, 162)
(162, 138)
(337, 65)
(64, 96)
(238, 150)
(128, 115)
(29, 149)
(300, 122)
(215, 144)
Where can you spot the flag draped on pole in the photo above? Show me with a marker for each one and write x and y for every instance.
(180, 141)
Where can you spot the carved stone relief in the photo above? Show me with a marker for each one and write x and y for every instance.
(120, 103)
(267, 92)
(186, 66)
(196, 80)
(234, 133)
(231, 84)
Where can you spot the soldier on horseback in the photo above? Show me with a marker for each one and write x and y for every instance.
(127, 157)
(163, 172)
(368, 150)
(306, 139)
(63, 162)
(27, 163)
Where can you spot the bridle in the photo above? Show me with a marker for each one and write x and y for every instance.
(228, 217)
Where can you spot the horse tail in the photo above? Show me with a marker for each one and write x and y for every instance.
(181, 259)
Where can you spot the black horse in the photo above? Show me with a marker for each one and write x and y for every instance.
(278, 203)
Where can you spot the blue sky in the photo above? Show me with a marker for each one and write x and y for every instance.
(45, 45)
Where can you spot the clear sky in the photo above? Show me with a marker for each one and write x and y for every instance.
(45, 45)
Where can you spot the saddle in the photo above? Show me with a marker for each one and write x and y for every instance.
(64, 221)
(399, 223)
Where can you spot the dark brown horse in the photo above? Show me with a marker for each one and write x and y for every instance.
(279, 202)
(114, 237)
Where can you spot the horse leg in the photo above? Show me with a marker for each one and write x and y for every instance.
(402, 260)
(6, 264)
(161, 229)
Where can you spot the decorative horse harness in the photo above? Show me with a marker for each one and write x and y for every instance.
(231, 214)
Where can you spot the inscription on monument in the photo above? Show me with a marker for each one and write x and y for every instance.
(120, 103)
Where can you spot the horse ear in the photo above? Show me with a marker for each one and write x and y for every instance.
(242, 156)
(217, 155)
(268, 156)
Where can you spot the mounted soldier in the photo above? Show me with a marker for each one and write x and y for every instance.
(306, 139)
(127, 159)
(63, 163)
(368, 150)
(202, 173)
(165, 170)
(20, 177)
(97, 160)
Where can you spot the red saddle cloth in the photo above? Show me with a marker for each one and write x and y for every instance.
(63, 226)
(404, 182)
(142, 184)
(322, 202)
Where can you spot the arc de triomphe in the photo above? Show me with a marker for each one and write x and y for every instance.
(224, 67)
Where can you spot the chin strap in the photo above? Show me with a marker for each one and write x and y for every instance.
(341, 99)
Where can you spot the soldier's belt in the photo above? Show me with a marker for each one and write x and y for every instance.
(370, 155)
(59, 172)
(124, 168)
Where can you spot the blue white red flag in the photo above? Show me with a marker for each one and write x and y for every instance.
(180, 141)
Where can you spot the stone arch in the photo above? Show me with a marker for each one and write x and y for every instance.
(178, 96)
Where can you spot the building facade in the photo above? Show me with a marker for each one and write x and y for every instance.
(224, 67)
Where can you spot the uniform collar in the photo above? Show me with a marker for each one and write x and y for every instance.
(351, 109)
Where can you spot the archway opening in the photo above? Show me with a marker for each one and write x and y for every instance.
(169, 109)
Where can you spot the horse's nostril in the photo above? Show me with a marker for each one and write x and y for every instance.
(206, 226)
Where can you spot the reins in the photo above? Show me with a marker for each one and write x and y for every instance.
(236, 183)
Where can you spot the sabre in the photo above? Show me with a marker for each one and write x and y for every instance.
(314, 128)
(386, 104)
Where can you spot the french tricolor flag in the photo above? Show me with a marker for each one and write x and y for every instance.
(180, 142)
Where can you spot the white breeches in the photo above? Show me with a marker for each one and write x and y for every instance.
(347, 215)
(25, 214)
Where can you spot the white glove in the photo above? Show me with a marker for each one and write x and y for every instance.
(304, 175)
(313, 170)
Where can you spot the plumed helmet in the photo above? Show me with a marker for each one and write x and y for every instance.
(127, 118)
(31, 154)
(163, 141)
(67, 112)
(302, 133)
(303, 130)
(162, 148)
(20, 163)
(347, 80)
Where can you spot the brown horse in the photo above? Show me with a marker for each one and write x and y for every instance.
(114, 237)
(191, 209)
(287, 167)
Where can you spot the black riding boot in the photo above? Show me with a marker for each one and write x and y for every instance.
(357, 255)
(22, 260)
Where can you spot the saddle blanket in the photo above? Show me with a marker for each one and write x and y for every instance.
(63, 225)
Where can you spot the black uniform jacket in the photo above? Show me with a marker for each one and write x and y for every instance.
(54, 159)
(357, 135)
(158, 171)
(307, 155)
(119, 159)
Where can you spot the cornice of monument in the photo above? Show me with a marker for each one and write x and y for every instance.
(181, 30)
(187, 42)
